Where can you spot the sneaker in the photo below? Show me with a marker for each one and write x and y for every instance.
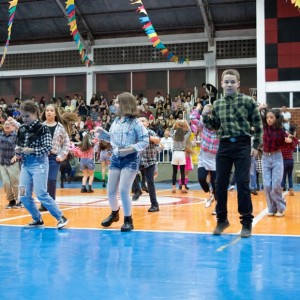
(11, 204)
(291, 192)
(221, 226)
(231, 188)
(19, 205)
(246, 230)
(137, 195)
(153, 208)
(214, 212)
(271, 214)
(145, 189)
(35, 224)
(43, 208)
(209, 201)
(280, 214)
(62, 222)
(254, 192)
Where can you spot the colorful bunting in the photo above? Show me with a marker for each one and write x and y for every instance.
(154, 38)
(70, 9)
(12, 10)
(296, 3)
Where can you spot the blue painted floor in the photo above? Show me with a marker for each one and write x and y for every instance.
(104, 264)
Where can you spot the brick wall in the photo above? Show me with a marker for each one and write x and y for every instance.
(295, 120)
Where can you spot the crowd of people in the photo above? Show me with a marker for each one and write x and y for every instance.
(130, 135)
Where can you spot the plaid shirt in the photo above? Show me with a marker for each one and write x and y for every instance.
(149, 154)
(60, 142)
(233, 116)
(273, 139)
(209, 140)
(288, 149)
(41, 146)
(7, 147)
(126, 133)
(84, 154)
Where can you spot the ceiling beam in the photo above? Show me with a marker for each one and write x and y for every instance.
(87, 28)
(86, 46)
(207, 19)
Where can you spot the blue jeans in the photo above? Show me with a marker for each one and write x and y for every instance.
(52, 175)
(272, 167)
(253, 184)
(121, 174)
(288, 166)
(34, 177)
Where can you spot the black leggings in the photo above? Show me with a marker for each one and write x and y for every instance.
(202, 174)
(182, 173)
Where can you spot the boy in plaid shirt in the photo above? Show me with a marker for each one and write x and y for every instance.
(148, 163)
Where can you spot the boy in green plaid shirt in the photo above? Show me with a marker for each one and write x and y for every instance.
(233, 116)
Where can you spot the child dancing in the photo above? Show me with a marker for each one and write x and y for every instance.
(128, 137)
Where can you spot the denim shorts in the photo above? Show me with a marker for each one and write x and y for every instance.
(130, 161)
(87, 164)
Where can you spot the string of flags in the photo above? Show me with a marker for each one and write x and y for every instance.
(296, 3)
(70, 9)
(11, 11)
(145, 21)
(149, 29)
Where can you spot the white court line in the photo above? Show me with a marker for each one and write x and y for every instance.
(255, 221)
(28, 215)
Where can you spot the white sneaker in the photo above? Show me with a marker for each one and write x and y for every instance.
(270, 214)
(209, 201)
(232, 187)
(280, 214)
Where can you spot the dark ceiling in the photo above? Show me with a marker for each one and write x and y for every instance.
(41, 21)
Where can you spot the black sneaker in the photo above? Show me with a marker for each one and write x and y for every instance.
(246, 230)
(35, 224)
(43, 208)
(19, 205)
(137, 195)
(62, 222)
(11, 204)
(153, 208)
(254, 192)
(221, 226)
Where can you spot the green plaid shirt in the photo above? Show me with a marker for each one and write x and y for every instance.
(233, 116)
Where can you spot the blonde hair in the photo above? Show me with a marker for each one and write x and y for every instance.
(127, 105)
(231, 72)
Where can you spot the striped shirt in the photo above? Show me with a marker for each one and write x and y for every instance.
(125, 133)
(209, 139)
(233, 116)
(180, 145)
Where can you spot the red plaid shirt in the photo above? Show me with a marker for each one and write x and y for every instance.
(273, 138)
(288, 149)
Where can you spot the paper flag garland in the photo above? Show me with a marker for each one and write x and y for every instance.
(12, 10)
(296, 3)
(154, 38)
(70, 9)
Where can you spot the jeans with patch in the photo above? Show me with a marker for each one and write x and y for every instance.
(34, 177)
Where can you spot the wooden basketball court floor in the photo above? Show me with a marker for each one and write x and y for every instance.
(171, 254)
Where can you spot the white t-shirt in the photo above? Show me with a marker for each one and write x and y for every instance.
(167, 143)
(287, 116)
(160, 98)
